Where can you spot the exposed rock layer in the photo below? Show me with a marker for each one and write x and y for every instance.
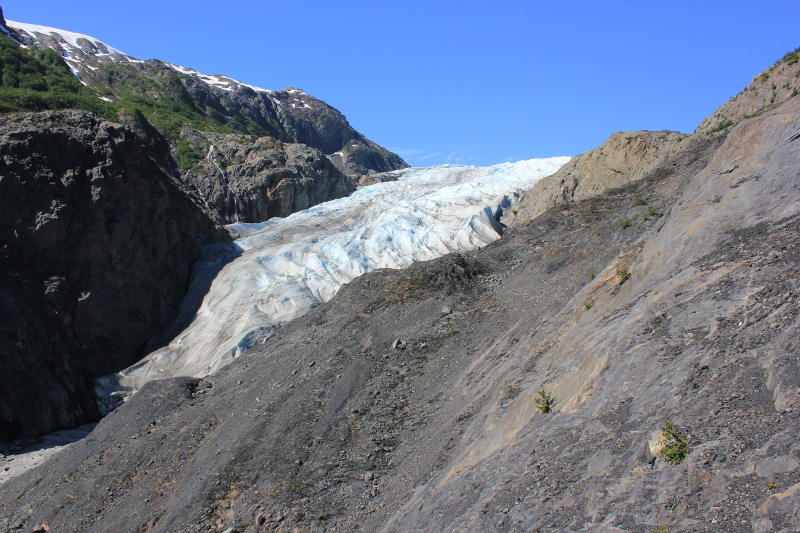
(97, 245)
(622, 159)
(766, 91)
(690, 315)
(248, 179)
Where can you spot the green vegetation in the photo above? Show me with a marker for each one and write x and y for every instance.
(770, 485)
(298, 487)
(588, 304)
(625, 222)
(623, 275)
(676, 446)
(591, 275)
(544, 402)
(653, 212)
(191, 158)
(662, 529)
(640, 201)
(39, 80)
(725, 125)
(791, 57)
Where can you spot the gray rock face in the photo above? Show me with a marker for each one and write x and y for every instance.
(622, 159)
(247, 179)
(701, 330)
(97, 244)
(766, 91)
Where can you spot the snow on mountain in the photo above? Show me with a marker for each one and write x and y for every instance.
(85, 52)
(74, 41)
(288, 266)
(220, 81)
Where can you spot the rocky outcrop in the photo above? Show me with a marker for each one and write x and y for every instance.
(97, 245)
(766, 91)
(622, 159)
(248, 179)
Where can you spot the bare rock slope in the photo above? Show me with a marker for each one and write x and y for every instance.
(766, 91)
(409, 401)
(622, 159)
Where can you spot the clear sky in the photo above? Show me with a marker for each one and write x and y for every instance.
(462, 81)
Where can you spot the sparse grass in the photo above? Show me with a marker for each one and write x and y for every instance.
(623, 275)
(653, 212)
(545, 401)
(640, 201)
(588, 304)
(725, 125)
(625, 222)
(591, 275)
(676, 446)
(298, 487)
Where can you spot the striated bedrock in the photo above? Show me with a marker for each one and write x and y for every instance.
(97, 244)
(249, 179)
(624, 158)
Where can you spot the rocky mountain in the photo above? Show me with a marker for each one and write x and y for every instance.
(171, 95)
(626, 361)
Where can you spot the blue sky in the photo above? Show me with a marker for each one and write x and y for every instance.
(463, 82)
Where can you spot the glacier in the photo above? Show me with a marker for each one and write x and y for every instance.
(280, 269)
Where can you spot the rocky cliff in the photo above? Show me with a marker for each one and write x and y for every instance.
(248, 179)
(97, 245)
(612, 366)
(622, 159)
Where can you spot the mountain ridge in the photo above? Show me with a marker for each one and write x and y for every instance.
(290, 114)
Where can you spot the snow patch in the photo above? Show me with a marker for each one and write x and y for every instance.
(69, 37)
(219, 81)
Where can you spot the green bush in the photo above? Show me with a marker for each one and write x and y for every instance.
(544, 402)
(676, 446)
(625, 223)
(725, 125)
